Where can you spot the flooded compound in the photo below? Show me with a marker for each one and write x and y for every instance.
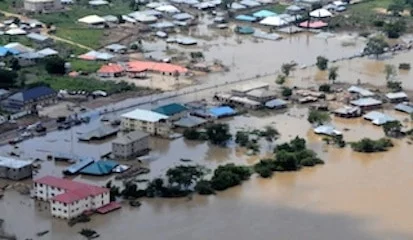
(352, 196)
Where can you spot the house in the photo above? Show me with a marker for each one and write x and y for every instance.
(15, 169)
(4, 93)
(397, 97)
(190, 122)
(92, 20)
(182, 16)
(69, 199)
(261, 95)
(18, 47)
(99, 133)
(7, 51)
(29, 99)
(245, 102)
(263, 14)
(148, 121)
(327, 130)
(321, 13)
(29, 58)
(39, 6)
(378, 118)
(404, 107)
(136, 67)
(111, 70)
(116, 48)
(242, 90)
(276, 104)
(360, 91)
(75, 168)
(174, 111)
(46, 52)
(40, 39)
(223, 111)
(99, 168)
(130, 145)
(367, 103)
(348, 112)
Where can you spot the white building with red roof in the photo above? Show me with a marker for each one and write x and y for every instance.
(69, 199)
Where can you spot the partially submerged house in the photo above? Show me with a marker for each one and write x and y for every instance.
(130, 145)
(99, 168)
(361, 92)
(348, 112)
(174, 110)
(327, 130)
(99, 133)
(367, 103)
(15, 169)
(378, 118)
(190, 122)
(79, 165)
(397, 97)
(148, 121)
(404, 107)
(276, 104)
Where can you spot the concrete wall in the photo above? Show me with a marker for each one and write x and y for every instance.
(132, 149)
(153, 128)
(16, 173)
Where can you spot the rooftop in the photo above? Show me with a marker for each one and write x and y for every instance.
(144, 115)
(403, 107)
(189, 122)
(72, 169)
(100, 168)
(98, 133)
(275, 103)
(327, 130)
(140, 66)
(111, 68)
(13, 163)
(397, 95)
(250, 86)
(37, 37)
(130, 137)
(170, 109)
(363, 92)
(260, 93)
(32, 93)
(222, 111)
(92, 19)
(364, 102)
(116, 47)
(264, 13)
(378, 118)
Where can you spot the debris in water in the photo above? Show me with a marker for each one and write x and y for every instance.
(39, 234)
(135, 203)
(89, 233)
(185, 160)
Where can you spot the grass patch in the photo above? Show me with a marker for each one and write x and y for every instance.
(85, 66)
(279, 8)
(85, 36)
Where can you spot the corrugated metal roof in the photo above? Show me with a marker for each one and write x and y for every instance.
(100, 168)
(13, 163)
(222, 111)
(276, 103)
(37, 37)
(170, 109)
(182, 16)
(327, 130)
(404, 108)
(78, 166)
(130, 137)
(363, 92)
(264, 13)
(397, 95)
(98, 133)
(364, 102)
(245, 18)
(144, 115)
(190, 121)
(33, 93)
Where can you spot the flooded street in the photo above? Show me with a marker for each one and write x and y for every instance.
(353, 196)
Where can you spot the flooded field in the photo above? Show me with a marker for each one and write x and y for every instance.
(352, 196)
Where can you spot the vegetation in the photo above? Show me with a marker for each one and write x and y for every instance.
(218, 133)
(242, 138)
(367, 145)
(324, 88)
(395, 29)
(332, 73)
(55, 65)
(375, 46)
(390, 71)
(318, 117)
(336, 140)
(204, 187)
(395, 86)
(404, 66)
(229, 175)
(184, 176)
(392, 129)
(8, 79)
(265, 167)
(84, 66)
(286, 92)
(193, 134)
(322, 63)
(280, 79)
(286, 68)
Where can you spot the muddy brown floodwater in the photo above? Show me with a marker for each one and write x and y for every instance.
(352, 196)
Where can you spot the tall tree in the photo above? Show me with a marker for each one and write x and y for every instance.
(322, 63)
(55, 65)
(286, 68)
(332, 73)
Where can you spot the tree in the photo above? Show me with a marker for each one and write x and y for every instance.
(286, 92)
(133, 5)
(204, 187)
(390, 71)
(242, 138)
(332, 73)
(318, 117)
(286, 68)
(8, 78)
(322, 63)
(375, 45)
(14, 64)
(395, 29)
(226, 4)
(280, 79)
(396, 7)
(367, 145)
(270, 133)
(218, 133)
(184, 176)
(287, 160)
(55, 65)
(191, 134)
(392, 129)
(229, 175)
(120, 19)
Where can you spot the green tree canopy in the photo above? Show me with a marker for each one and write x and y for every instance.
(55, 65)
(318, 117)
(322, 63)
(333, 73)
(8, 78)
(218, 133)
(376, 46)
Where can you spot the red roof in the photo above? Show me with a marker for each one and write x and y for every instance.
(112, 206)
(314, 24)
(111, 68)
(74, 190)
(140, 66)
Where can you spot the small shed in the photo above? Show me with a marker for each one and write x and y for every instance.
(223, 111)
(327, 130)
(182, 16)
(116, 48)
(276, 104)
(397, 97)
(367, 103)
(404, 107)
(348, 112)
(378, 118)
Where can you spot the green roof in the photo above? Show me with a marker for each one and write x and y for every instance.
(170, 109)
(100, 168)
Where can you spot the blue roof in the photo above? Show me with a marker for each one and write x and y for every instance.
(404, 108)
(244, 29)
(78, 166)
(33, 93)
(100, 168)
(275, 103)
(246, 18)
(170, 109)
(222, 111)
(4, 51)
(264, 13)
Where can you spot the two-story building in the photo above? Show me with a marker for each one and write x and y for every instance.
(40, 6)
(129, 145)
(69, 199)
(15, 169)
(148, 121)
(29, 99)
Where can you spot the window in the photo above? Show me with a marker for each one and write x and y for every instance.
(41, 185)
(64, 204)
(86, 205)
(59, 209)
(65, 211)
(52, 194)
(54, 209)
(102, 202)
(41, 192)
(52, 188)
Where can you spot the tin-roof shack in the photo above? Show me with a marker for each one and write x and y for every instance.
(367, 103)
(360, 91)
(348, 112)
(75, 168)
(276, 104)
(378, 118)
(243, 89)
(397, 97)
(404, 107)
(190, 122)
(99, 133)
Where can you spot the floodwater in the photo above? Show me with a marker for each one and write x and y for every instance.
(352, 196)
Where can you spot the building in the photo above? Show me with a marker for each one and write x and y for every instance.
(39, 39)
(367, 103)
(116, 48)
(242, 90)
(348, 112)
(29, 99)
(261, 95)
(69, 199)
(137, 67)
(99, 133)
(99, 168)
(29, 59)
(4, 93)
(174, 111)
(327, 130)
(404, 107)
(132, 144)
(40, 6)
(378, 118)
(190, 122)
(148, 121)
(360, 91)
(75, 168)
(15, 169)
(397, 97)
(276, 104)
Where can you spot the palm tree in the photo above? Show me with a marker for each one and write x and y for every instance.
(332, 73)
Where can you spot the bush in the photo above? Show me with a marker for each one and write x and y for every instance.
(378, 23)
(324, 88)
(280, 79)
(204, 187)
(191, 134)
(242, 138)
(55, 65)
(404, 66)
(286, 92)
(265, 168)
(367, 145)
(229, 175)
(318, 117)
(322, 63)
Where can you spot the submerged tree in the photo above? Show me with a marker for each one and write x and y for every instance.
(332, 73)
(322, 63)
(376, 45)
(318, 117)
(218, 133)
(390, 71)
(286, 68)
(392, 129)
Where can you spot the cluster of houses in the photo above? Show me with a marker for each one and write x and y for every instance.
(138, 69)
(28, 99)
